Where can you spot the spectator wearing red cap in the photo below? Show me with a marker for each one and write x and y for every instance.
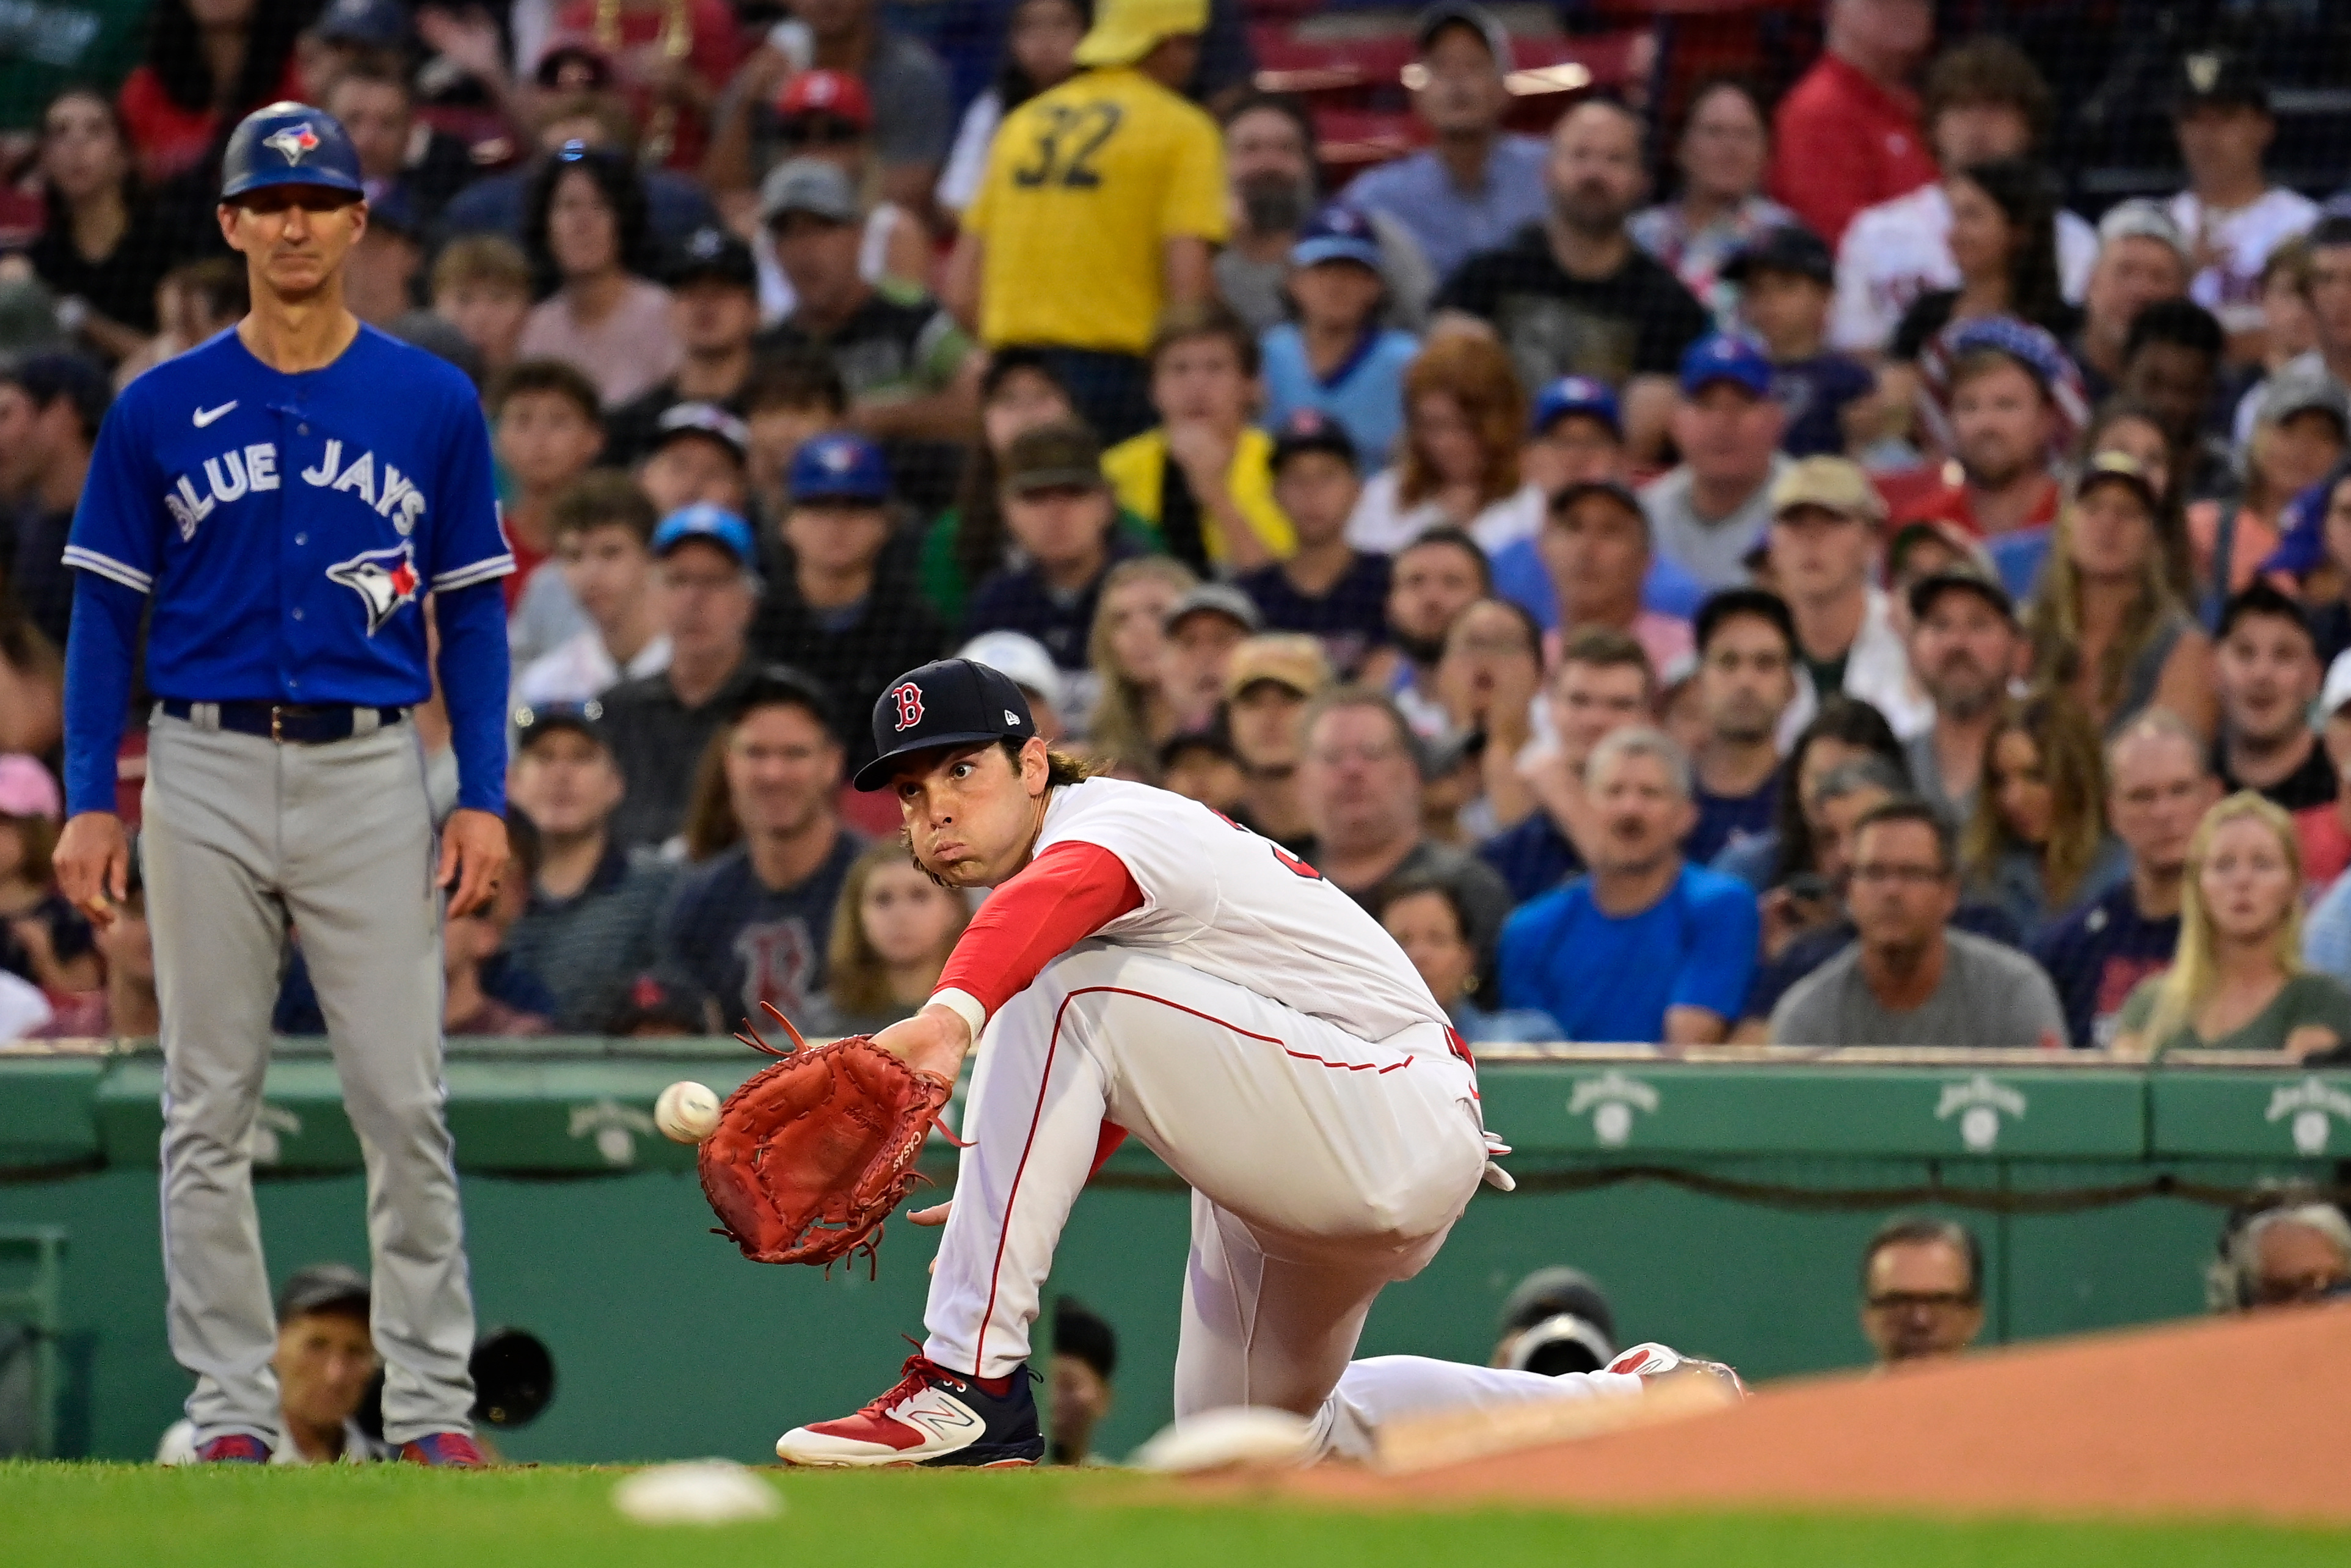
(827, 116)
(909, 100)
(671, 91)
(1847, 136)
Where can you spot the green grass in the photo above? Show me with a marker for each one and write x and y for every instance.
(119, 1516)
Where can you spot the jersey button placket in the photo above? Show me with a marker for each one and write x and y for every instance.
(293, 578)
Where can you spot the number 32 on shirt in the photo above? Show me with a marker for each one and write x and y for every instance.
(1066, 144)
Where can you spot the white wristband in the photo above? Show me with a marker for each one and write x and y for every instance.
(965, 1006)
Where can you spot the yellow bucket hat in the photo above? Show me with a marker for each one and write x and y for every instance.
(1126, 30)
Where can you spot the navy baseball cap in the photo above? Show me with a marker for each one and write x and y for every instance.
(535, 722)
(289, 143)
(705, 521)
(1337, 233)
(370, 24)
(1577, 394)
(1725, 357)
(947, 702)
(839, 466)
(1312, 430)
(1791, 248)
(710, 253)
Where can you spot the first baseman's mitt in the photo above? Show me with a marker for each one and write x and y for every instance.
(813, 1153)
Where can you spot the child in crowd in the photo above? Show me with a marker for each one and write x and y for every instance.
(892, 931)
(603, 533)
(1336, 357)
(548, 429)
(791, 397)
(1786, 280)
(46, 941)
(1328, 589)
(1425, 916)
(1204, 476)
(699, 458)
(481, 285)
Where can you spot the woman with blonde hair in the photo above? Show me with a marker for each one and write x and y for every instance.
(1131, 717)
(892, 929)
(1464, 414)
(2236, 981)
(2106, 628)
(2037, 845)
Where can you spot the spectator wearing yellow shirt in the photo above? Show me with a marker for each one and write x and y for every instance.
(1101, 207)
(1204, 475)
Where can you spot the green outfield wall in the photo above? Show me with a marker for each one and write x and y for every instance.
(1722, 1204)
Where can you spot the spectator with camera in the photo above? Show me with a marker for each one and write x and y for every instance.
(1921, 1290)
(1910, 978)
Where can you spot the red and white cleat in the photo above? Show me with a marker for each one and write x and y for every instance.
(932, 1417)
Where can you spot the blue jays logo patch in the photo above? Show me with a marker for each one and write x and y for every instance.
(293, 141)
(383, 578)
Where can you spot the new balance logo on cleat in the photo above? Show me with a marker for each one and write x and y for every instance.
(933, 1417)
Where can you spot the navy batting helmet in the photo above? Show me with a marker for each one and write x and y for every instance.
(289, 143)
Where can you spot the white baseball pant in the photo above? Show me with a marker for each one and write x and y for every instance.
(1323, 1166)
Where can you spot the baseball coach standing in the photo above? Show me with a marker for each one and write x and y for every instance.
(280, 500)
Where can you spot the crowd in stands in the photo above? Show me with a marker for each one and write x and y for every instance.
(1753, 567)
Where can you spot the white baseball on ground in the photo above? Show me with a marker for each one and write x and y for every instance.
(1215, 1439)
(704, 1491)
(686, 1111)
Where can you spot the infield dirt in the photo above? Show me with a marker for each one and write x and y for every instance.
(2244, 1417)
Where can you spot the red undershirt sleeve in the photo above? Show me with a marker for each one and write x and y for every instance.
(1065, 895)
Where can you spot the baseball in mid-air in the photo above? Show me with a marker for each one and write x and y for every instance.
(686, 1111)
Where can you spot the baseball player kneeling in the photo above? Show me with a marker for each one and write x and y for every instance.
(1148, 968)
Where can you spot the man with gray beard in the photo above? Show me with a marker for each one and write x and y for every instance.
(1270, 169)
(1965, 647)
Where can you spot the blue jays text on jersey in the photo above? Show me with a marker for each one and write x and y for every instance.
(284, 525)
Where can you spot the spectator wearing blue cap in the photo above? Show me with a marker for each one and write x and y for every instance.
(660, 725)
(1576, 437)
(1326, 589)
(1785, 280)
(1706, 515)
(50, 409)
(833, 610)
(1335, 357)
(1270, 172)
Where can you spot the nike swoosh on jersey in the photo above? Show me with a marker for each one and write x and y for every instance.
(205, 416)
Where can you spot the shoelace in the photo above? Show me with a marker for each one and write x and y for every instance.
(749, 1035)
(919, 1373)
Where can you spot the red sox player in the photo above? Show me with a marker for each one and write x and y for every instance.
(1148, 968)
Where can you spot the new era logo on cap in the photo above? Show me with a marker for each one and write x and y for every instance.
(293, 141)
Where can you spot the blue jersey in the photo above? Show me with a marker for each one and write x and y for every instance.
(284, 529)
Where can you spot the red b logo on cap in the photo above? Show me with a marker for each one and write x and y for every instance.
(909, 698)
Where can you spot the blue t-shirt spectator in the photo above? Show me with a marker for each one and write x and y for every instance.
(2098, 955)
(1727, 820)
(1364, 396)
(1610, 979)
(1815, 393)
(1450, 224)
(1503, 1026)
(1520, 577)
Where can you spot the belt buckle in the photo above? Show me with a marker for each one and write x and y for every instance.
(277, 717)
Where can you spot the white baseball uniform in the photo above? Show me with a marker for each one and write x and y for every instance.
(1159, 971)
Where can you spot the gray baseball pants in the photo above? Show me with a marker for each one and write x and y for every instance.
(242, 835)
